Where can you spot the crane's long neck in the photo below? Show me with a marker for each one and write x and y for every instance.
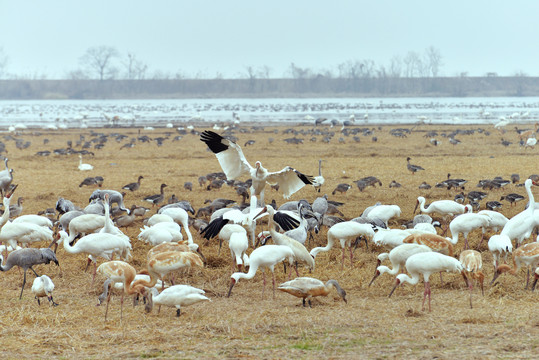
(5, 216)
(531, 206)
(384, 269)
(185, 224)
(253, 267)
(142, 282)
(411, 280)
(328, 247)
(422, 207)
(67, 246)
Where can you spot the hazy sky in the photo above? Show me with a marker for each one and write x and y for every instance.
(49, 37)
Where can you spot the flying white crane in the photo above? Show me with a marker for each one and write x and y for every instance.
(234, 165)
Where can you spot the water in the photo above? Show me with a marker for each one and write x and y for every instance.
(96, 113)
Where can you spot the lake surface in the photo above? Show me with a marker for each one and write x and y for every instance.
(179, 112)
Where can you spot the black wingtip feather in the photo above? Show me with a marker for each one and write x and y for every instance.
(214, 141)
(307, 179)
(286, 222)
(213, 228)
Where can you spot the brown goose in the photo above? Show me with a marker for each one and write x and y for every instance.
(134, 185)
(157, 198)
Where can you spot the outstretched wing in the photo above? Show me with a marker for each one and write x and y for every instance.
(228, 153)
(290, 180)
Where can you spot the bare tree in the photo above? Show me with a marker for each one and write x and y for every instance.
(3, 63)
(395, 67)
(298, 72)
(99, 60)
(135, 69)
(433, 60)
(412, 64)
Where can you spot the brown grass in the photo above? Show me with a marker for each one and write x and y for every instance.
(503, 323)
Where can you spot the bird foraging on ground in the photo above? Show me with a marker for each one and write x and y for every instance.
(26, 258)
(43, 287)
(307, 288)
(174, 296)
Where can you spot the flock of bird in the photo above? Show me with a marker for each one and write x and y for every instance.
(419, 250)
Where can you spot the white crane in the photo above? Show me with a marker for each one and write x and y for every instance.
(472, 262)
(43, 287)
(521, 226)
(160, 233)
(426, 264)
(466, 223)
(120, 272)
(84, 225)
(307, 288)
(499, 245)
(238, 244)
(97, 245)
(497, 220)
(179, 216)
(443, 207)
(345, 232)
(84, 167)
(398, 257)
(284, 220)
(175, 296)
(266, 256)
(384, 212)
(234, 165)
(527, 255)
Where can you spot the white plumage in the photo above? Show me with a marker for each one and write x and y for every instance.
(43, 287)
(466, 223)
(175, 296)
(426, 264)
(234, 165)
(160, 233)
(84, 167)
(238, 244)
(266, 256)
(398, 257)
(345, 232)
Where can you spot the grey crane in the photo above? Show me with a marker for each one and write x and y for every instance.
(26, 258)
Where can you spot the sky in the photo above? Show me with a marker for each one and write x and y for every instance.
(48, 38)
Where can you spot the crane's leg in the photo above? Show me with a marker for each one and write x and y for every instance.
(424, 296)
(108, 301)
(178, 313)
(88, 264)
(342, 260)
(351, 256)
(527, 279)
(303, 302)
(38, 303)
(34, 271)
(297, 272)
(441, 280)
(23, 283)
(273, 281)
(95, 272)
(465, 242)
(121, 307)
(264, 283)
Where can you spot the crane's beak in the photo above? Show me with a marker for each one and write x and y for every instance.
(376, 274)
(202, 256)
(264, 210)
(232, 283)
(496, 274)
(416, 205)
(535, 282)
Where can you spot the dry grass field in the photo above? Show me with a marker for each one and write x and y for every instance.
(504, 323)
